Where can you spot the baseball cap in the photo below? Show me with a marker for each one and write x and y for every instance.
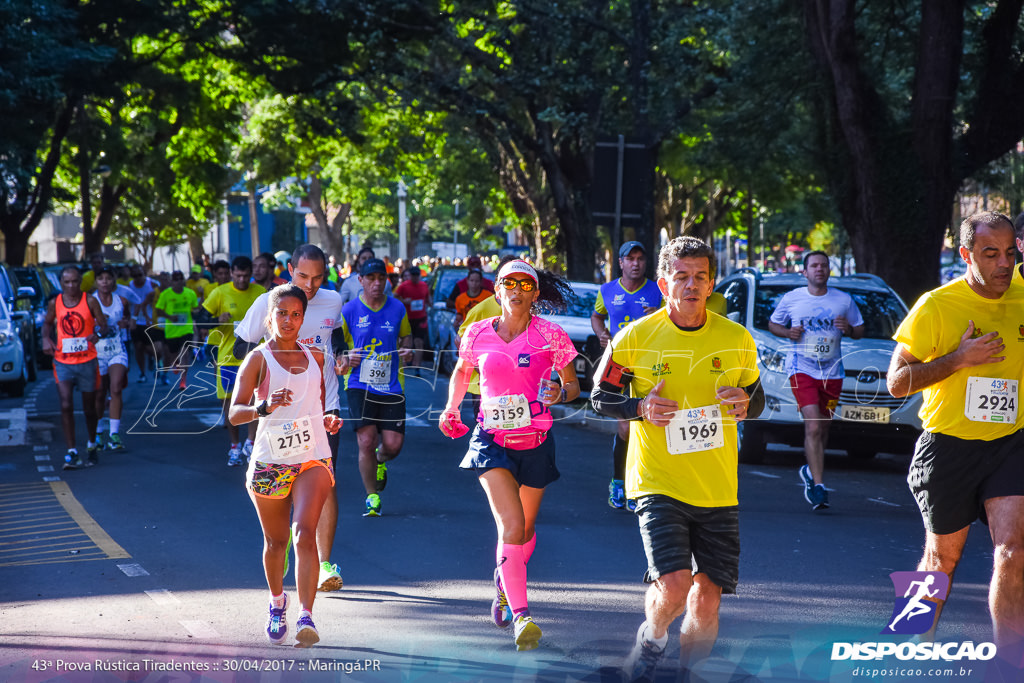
(630, 246)
(196, 268)
(373, 265)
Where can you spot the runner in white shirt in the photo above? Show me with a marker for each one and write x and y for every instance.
(308, 268)
(818, 318)
(112, 355)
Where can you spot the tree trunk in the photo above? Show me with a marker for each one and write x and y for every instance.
(110, 201)
(895, 184)
(195, 249)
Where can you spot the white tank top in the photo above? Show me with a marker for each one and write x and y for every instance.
(114, 313)
(291, 434)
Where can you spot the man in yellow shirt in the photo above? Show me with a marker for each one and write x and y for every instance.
(95, 266)
(962, 346)
(683, 378)
(228, 304)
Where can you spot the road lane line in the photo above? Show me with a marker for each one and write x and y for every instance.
(163, 597)
(133, 569)
(42, 458)
(758, 473)
(200, 629)
(93, 530)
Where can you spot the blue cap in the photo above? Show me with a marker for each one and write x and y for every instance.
(630, 246)
(374, 265)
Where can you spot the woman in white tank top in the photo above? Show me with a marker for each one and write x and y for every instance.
(290, 474)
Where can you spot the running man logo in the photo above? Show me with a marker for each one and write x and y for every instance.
(372, 346)
(659, 369)
(72, 324)
(625, 321)
(917, 595)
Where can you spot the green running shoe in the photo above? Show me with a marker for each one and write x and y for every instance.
(372, 506)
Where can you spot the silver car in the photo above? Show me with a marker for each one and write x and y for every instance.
(14, 373)
(868, 420)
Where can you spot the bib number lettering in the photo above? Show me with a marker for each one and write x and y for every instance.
(991, 400)
(506, 412)
(74, 345)
(288, 439)
(416, 305)
(108, 347)
(693, 430)
(375, 372)
(820, 347)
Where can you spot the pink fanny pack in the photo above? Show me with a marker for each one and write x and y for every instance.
(520, 442)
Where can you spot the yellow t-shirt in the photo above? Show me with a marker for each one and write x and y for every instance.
(209, 287)
(198, 286)
(226, 299)
(694, 364)
(488, 308)
(88, 280)
(934, 327)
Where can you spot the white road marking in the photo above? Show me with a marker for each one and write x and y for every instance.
(758, 473)
(133, 569)
(200, 629)
(163, 597)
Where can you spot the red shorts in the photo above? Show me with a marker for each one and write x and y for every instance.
(809, 391)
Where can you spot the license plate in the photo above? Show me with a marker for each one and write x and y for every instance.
(879, 415)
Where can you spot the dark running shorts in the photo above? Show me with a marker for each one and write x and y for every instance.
(383, 411)
(419, 329)
(534, 467)
(952, 478)
(679, 536)
(176, 344)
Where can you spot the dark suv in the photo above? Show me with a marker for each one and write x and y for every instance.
(34, 277)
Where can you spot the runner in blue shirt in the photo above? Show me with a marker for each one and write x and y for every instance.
(620, 302)
(379, 337)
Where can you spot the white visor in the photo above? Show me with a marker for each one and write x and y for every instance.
(518, 267)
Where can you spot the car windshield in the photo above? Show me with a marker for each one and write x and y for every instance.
(29, 277)
(580, 304)
(882, 312)
(448, 278)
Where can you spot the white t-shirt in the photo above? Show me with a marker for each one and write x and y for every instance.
(351, 288)
(323, 314)
(817, 353)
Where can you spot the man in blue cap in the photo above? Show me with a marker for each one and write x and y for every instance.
(378, 337)
(620, 302)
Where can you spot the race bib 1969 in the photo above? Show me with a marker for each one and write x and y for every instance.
(506, 412)
(695, 429)
(991, 400)
(288, 439)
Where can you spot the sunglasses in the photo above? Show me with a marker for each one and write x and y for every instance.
(525, 285)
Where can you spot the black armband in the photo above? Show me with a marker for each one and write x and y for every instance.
(756, 405)
(242, 348)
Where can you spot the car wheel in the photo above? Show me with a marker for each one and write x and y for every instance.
(861, 452)
(752, 443)
(17, 387)
(30, 362)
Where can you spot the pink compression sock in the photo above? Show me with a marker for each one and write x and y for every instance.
(528, 548)
(512, 568)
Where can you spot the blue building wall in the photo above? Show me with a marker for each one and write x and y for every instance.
(239, 242)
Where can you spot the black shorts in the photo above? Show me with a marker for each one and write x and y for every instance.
(419, 329)
(533, 467)
(147, 336)
(952, 478)
(383, 411)
(176, 344)
(679, 536)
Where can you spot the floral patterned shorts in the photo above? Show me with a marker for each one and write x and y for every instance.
(275, 481)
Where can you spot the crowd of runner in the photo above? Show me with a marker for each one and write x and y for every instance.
(679, 376)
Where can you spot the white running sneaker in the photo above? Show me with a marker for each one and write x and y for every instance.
(330, 579)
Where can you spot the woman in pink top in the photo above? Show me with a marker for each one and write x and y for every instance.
(515, 354)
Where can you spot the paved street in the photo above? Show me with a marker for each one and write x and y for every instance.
(152, 559)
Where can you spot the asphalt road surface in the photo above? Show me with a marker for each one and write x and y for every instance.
(147, 567)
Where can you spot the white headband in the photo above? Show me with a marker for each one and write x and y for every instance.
(518, 267)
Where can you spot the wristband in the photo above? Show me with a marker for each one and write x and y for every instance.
(564, 395)
(262, 410)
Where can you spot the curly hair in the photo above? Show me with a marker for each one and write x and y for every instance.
(685, 247)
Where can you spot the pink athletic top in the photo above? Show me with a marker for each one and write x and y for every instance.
(517, 367)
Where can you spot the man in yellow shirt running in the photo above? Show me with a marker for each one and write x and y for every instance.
(228, 304)
(962, 346)
(683, 378)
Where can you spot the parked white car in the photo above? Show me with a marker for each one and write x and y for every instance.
(868, 420)
(13, 370)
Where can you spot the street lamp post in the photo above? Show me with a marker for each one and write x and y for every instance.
(403, 224)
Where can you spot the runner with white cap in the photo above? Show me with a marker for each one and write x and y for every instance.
(511, 450)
